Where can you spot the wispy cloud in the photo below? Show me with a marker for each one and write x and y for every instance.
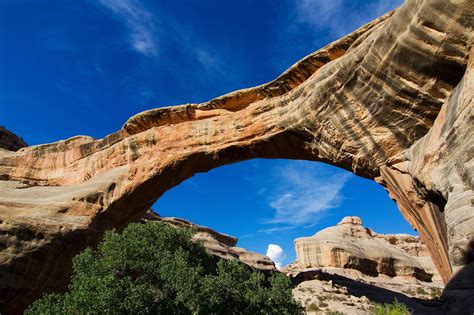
(208, 60)
(340, 17)
(139, 22)
(303, 193)
(277, 229)
(317, 13)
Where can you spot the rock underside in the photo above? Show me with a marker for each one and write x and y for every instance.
(391, 102)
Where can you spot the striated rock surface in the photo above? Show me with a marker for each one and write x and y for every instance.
(391, 101)
(414, 247)
(352, 246)
(218, 244)
(10, 141)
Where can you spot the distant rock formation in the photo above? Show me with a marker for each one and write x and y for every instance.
(217, 244)
(350, 245)
(10, 141)
(348, 267)
(414, 247)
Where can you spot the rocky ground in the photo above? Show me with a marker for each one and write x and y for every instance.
(326, 290)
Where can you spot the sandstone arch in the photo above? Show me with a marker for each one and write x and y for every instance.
(391, 101)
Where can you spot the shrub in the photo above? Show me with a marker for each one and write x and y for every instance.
(409, 291)
(436, 293)
(156, 269)
(395, 308)
(420, 290)
(312, 308)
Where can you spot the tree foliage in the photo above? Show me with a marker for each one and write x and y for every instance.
(156, 269)
(394, 308)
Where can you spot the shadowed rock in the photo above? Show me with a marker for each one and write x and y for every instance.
(10, 141)
(391, 101)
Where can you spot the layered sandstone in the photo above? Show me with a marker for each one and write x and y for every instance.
(391, 101)
(414, 247)
(350, 245)
(217, 244)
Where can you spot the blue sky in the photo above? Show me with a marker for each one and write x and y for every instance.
(83, 67)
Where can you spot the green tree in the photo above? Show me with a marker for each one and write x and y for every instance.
(156, 269)
(394, 308)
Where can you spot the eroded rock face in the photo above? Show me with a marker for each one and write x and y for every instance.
(352, 246)
(390, 101)
(218, 244)
(413, 246)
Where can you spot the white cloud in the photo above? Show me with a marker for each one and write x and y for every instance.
(139, 22)
(303, 192)
(276, 253)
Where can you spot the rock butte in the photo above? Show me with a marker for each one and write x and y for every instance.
(391, 101)
(351, 245)
(348, 267)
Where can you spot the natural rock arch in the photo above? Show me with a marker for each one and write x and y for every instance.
(391, 101)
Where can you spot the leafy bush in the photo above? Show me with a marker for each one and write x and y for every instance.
(422, 291)
(436, 293)
(156, 269)
(409, 291)
(312, 308)
(395, 308)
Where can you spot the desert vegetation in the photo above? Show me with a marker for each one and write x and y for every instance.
(154, 268)
(394, 308)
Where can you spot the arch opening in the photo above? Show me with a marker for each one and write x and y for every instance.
(274, 201)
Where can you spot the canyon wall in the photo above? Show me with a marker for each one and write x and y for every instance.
(391, 101)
